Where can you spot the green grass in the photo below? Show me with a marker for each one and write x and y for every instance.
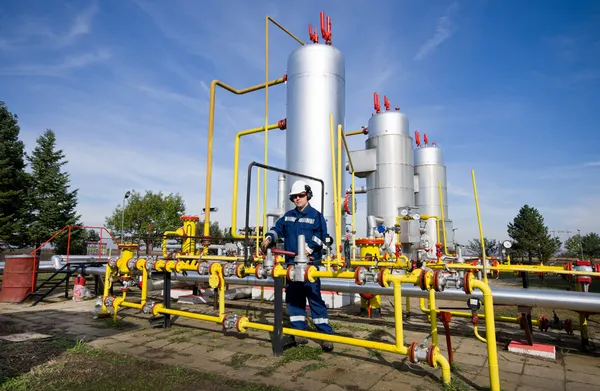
(297, 353)
(69, 365)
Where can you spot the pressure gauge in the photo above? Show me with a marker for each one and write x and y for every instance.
(404, 212)
(473, 304)
(506, 244)
(417, 216)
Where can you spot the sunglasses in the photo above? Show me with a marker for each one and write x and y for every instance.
(301, 195)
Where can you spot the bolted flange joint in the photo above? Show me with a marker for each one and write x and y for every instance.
(149, 265)
(131, 265)
(446, 279)
(147, 308)
(108, 301)
(112, 262)
(362, 275)
(417, 352)
(229, 270)
(230, 322)
(202, 268)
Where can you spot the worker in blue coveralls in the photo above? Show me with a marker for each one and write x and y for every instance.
(302, 220)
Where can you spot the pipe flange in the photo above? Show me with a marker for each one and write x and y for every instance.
(431, 355)
(108, 301)
(411, 353)
(259, 272)
(147, 308)
(438, 281)
(230, 322)
(112, 262)
(131, 264)
(213, 268)
(229, 270)
(202, 268)
(240, 271)
(242, 320)
(423, 280)
(149, 264)
(360, 276)
(467, 282)
(382, 277)
(289, 273)
(307, 273)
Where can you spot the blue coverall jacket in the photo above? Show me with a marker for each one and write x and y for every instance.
(310, 222)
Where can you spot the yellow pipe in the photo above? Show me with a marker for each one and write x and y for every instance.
(476, 332)
(353, 195)
(107, 284)
(211, 257)
(459, 314)
(407, 304)
(236, 163)
(485, 277)
(355, 132)
(398, 263)
(160, 309)
(523, 268)
(211, 128)
(443, 218)
(266, 151)
(398, 316)
(433, 317)
(314, 273)
(339, 194)
(334, 180)
(179, 232)
(490, 330)
(285, 30)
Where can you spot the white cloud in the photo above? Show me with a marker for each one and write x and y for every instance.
(444, 29)
(62, 68)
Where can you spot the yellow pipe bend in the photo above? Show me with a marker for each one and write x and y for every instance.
(490, 329)
(476, 332)
(211, 129)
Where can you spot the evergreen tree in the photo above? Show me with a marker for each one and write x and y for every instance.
(52, 203)
(13, 181)
(531, 236)
(492, 247)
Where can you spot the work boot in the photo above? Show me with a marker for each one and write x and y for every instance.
(301, 340)
(288, 341)
(327, 346)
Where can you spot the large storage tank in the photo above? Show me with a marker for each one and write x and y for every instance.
(391, 186)
(315, 89)
(429, 170)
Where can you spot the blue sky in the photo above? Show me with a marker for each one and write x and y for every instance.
(510, 89)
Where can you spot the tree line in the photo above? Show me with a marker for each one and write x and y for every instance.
(530, 238)
(36, 200)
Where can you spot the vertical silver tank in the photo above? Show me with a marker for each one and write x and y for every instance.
(315, 89)
(391, 185)
(430, 169)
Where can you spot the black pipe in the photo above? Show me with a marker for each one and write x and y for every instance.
(167, 298)
(248, 186)
(276, 338)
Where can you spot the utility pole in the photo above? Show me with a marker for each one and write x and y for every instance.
(580, 242)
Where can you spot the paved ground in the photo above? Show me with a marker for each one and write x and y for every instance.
(203, 346)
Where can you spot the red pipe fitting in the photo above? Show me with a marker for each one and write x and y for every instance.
(376, 102)
(326, 34)
(418, 139)
(313, 36)
(365, 132)
(425, 139)
(386, 102)
(282, 124)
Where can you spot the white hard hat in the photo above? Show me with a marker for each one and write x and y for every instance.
(301, 187)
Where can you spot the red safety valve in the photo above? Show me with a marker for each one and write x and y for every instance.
(425, 139)
(386, 102)
(313, 36)
(326, 33)
(376, 103)
(418, 139)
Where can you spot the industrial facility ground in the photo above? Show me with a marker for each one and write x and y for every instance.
(76, 352)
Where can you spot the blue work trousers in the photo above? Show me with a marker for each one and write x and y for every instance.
(296, 294)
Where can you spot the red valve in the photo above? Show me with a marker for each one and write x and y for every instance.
(313, 36)
(364, 130)
(326, 34)
(282, 124)
(425, 139)
(418, 139)
(376, 102)
(386, 102)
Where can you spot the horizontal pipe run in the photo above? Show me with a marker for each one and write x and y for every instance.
(541, 298)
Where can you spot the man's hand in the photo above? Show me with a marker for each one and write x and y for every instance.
(265, 244)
